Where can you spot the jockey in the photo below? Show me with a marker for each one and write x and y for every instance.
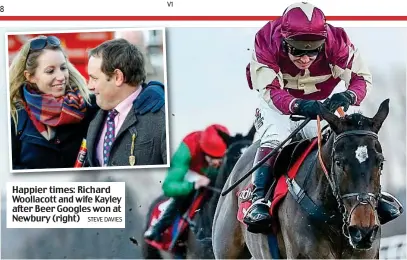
(297, 62)
(200, 152)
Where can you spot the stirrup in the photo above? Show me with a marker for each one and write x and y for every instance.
(262, 226)
(258, 201)
(149, 233)
(153, 236)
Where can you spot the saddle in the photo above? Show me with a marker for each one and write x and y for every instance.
(288, 161)
(289, 155)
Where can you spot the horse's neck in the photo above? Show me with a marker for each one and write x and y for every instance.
(208, 209)
(323, 190)
(207, 212)
(204, 218)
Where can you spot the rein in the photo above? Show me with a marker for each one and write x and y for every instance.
(362, 198)
(342, 114)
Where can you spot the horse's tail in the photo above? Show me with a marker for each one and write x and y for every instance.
(148, 251)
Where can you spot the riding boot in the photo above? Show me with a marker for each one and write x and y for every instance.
(388, 208)
(165, 220)
(258, 216)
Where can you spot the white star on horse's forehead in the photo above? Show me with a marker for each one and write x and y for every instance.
(308, 9)
(361, 153)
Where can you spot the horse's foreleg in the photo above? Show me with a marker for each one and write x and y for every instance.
(294, 227)
(257, 245)
(227, 237)
(288, 239)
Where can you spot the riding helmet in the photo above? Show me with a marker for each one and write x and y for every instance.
(212, 143)
(303, 26)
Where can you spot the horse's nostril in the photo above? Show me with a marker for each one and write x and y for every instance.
(366, 234)
(354, 233)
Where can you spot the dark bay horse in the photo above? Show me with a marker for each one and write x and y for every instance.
(345, 223)
(199, 237)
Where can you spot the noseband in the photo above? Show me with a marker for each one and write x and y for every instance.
(362, 198)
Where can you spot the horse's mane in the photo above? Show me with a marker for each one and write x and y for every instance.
(205, 216)
(357, 119)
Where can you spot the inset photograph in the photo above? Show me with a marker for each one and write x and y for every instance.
(87, 99)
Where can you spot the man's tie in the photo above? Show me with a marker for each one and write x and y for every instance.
(110, 135)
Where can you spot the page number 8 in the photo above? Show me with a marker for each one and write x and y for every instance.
(2, 8)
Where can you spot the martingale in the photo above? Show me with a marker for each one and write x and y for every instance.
(84, 189)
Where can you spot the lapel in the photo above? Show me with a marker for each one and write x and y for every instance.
(93, 134)
(130, 120)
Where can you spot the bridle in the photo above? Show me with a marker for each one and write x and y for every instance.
(363, 198)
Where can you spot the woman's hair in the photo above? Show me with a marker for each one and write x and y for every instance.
(26, 60)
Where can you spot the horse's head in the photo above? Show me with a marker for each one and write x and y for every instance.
(356, 164)
(236, 144)
(229, 139)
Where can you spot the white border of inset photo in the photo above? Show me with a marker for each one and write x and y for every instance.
(115, 30)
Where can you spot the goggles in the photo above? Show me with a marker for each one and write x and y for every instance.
(299, 53)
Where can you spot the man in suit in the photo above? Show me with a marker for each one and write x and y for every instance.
(118, 136)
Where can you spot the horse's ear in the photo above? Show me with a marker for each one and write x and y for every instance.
(381, 115)
(225, 137)
(333, 121)
(252, 132)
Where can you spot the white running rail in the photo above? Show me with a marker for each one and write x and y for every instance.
(393, 247)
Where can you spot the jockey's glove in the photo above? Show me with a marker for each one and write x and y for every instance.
(343, 99)
(307, 108)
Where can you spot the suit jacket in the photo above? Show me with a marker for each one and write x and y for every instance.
(150, 146)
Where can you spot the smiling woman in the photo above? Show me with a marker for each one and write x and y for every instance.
(52, 73)
(50, 106)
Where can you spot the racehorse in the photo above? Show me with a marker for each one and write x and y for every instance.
(337, 190)
(196, 240)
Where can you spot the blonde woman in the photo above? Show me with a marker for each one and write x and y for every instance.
(51, 106)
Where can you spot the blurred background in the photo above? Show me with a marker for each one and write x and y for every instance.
(207, 84)
(77, 44)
